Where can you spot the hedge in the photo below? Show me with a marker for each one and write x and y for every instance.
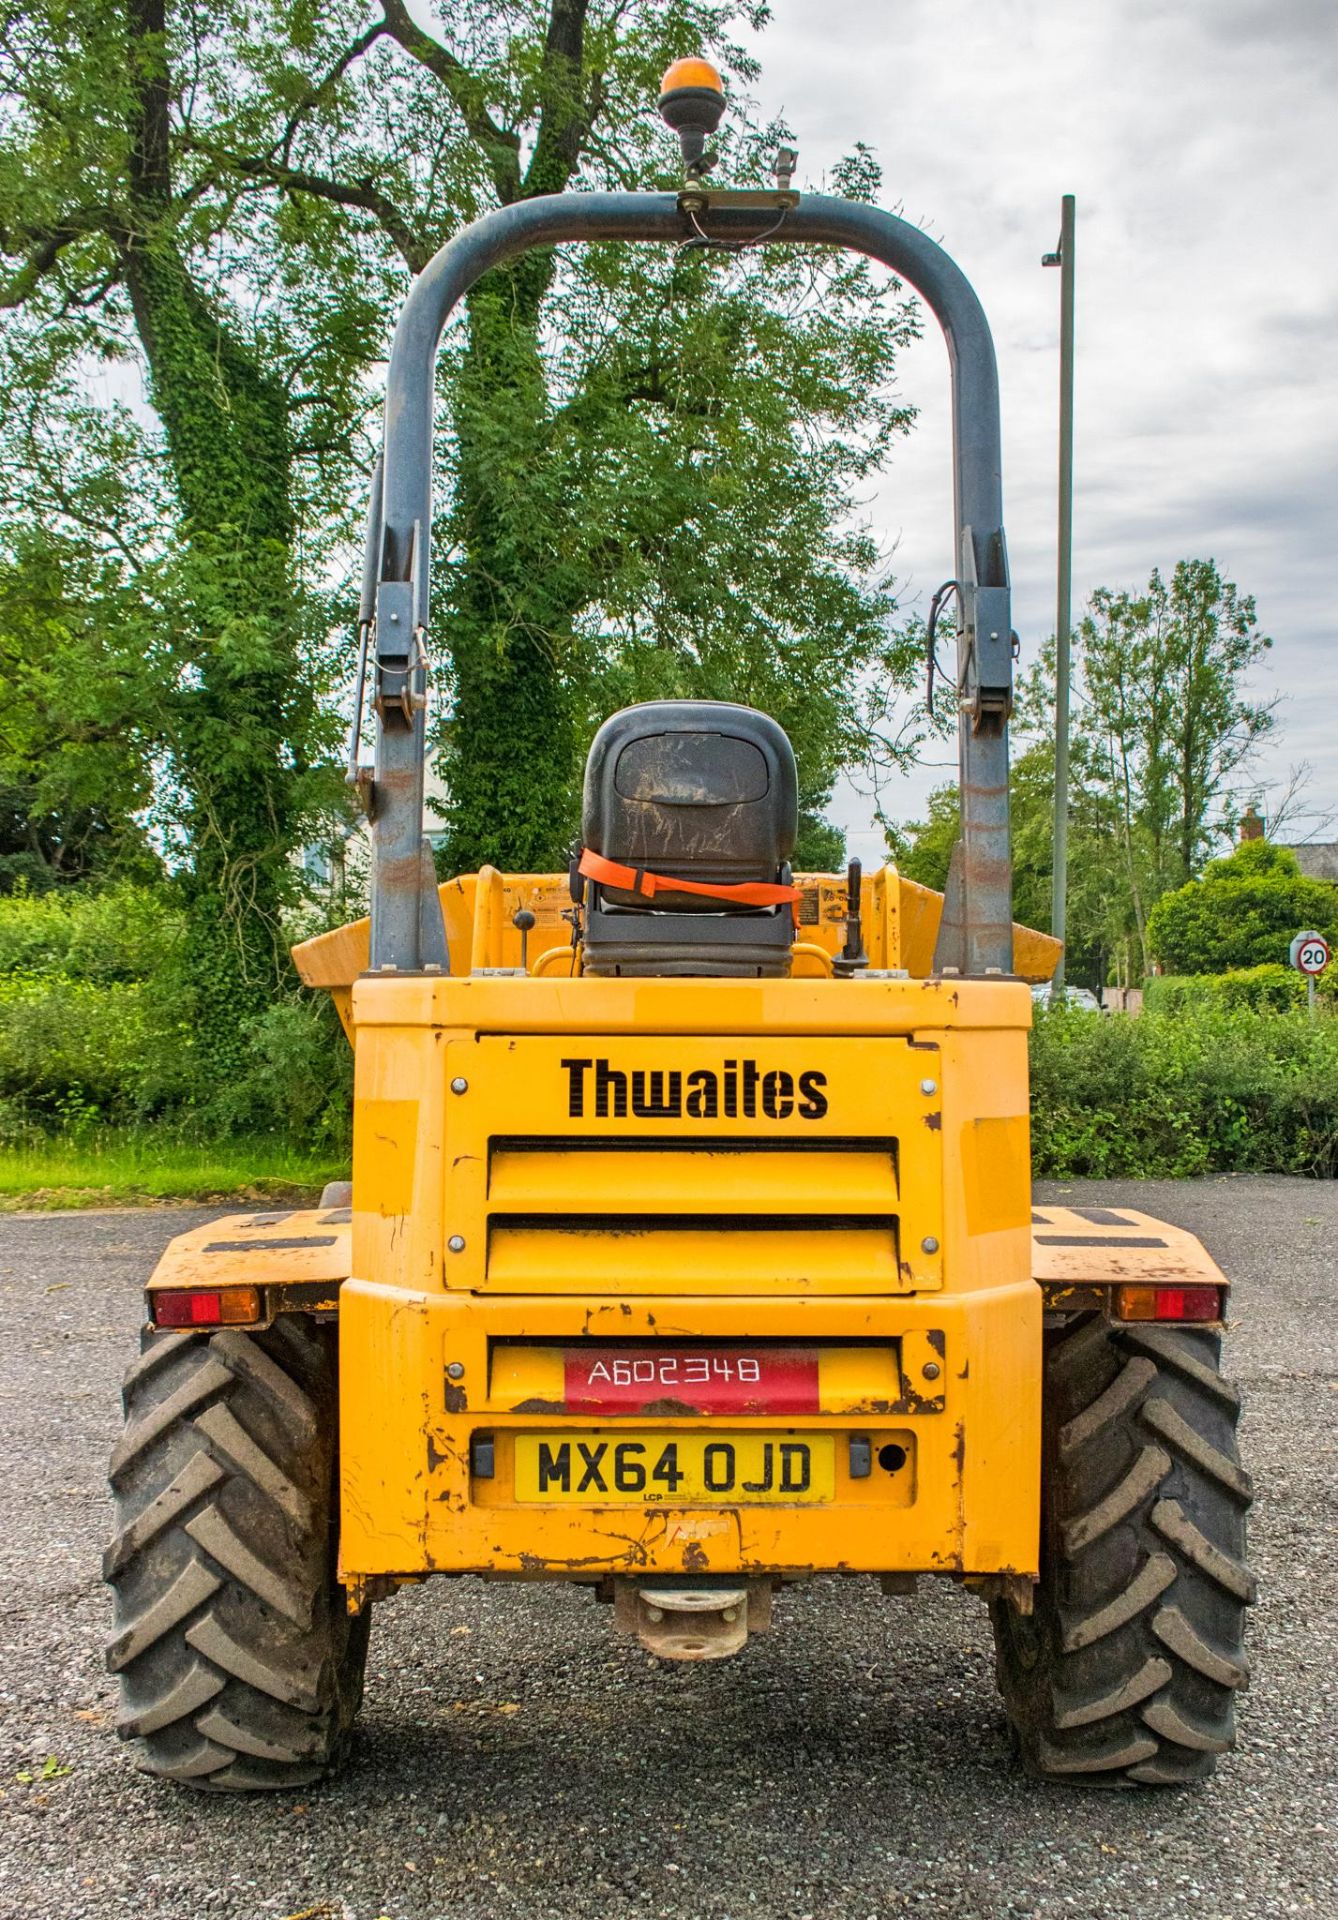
(96, 1032)
(1266, 989)
(1202, 1089)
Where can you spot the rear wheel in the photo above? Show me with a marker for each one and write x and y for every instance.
(1128, 1667)
(240, 1666)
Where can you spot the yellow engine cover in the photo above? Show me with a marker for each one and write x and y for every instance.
(666, 1174)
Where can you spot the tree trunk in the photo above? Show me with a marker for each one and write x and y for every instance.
(1125, 785)
(226, 428)
(510, 755)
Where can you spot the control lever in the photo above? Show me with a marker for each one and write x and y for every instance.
(522, 921)
(852, 957)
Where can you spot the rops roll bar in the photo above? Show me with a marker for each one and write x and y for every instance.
(406, 921)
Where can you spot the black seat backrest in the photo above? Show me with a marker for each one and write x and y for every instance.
(697, 789)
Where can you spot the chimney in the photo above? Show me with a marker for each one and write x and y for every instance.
(1251, 826)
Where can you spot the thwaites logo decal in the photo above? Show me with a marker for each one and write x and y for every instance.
(737, 1090)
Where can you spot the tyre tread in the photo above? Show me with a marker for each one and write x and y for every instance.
(1143, 1478)
(1168, 1351)
(1174, 1524)
(1123, 1392)
(1174, 1631)
(1127, 1673)
(198, 1477)
(239, 1665)
(1150, 1583)
(210, 1530)
(1176, 1431)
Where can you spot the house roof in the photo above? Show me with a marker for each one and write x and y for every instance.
(1317, 858)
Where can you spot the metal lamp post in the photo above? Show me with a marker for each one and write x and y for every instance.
(1063, 258)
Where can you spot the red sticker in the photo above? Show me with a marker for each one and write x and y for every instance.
(694, 1379)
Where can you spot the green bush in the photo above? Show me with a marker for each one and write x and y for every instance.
(124, 933)
(299, 1077)
(1201, 1089)
(75, 1052)
(93, 1024)
(1173, 992)
(1242, 913)
(97, 1028)
(1267, 989)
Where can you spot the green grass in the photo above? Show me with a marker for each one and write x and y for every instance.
(116, 1169)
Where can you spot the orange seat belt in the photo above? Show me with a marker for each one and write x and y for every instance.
(741, 893)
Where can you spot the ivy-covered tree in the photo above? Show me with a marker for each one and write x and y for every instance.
(207, 222)
(653, 457)
(123, 252)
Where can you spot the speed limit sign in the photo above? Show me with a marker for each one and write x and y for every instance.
(1310, 953)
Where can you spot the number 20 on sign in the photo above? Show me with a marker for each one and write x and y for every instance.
(1310, 955)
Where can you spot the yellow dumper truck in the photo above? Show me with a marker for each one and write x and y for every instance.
(690, 1248)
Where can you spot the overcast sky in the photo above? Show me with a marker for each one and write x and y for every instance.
(1201, 141)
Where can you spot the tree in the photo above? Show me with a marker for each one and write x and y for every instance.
(656, 458)
(819, 846)
(922, 851)
(1244, 912)
(1163, 721)
(666, 564)
(74, 781)
(1160, 725)
(120, 248)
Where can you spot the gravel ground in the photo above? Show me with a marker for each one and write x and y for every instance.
(515, 1760)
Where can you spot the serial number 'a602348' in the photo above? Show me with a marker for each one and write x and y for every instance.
(674, 1370)
(714, 1379)
(679, 1469)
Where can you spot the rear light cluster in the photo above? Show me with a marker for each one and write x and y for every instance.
(206, 1307)
(240, 1306)
(1168, 1303)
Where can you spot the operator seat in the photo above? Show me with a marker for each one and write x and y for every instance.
(705, 793)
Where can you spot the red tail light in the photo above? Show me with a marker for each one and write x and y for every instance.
(1168, 1303)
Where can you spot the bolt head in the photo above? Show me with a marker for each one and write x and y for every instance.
(459, 1086)
(929, 1244)
(730, 1613)
(930, 1369)
(928, 1086)
(455, 1371)
(654, 1615)
(456, 1243)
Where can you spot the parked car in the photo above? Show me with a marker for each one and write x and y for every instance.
(1043, 993)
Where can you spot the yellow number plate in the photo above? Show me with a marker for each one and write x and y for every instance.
(676, 1469)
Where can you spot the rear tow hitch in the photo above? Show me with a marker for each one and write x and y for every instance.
(697, 1621)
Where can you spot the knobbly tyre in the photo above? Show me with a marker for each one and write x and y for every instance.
(689, 1249)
